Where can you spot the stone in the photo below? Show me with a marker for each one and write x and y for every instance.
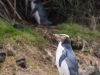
(10, 53)
(20, 60)
(92, 70)
(1, 45)
(18, 26)
(7, 35)
(2, 56)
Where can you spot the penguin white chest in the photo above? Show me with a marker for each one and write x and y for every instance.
(36, 14)
(59, 52)
(63, 69)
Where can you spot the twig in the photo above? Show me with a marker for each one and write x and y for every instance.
(5, 9)
(14, 10)
(26, 4)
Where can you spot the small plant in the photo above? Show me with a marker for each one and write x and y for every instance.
(86, 53)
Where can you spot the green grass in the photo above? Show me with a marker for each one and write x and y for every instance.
(27, 33)
(86, 53)
(34, 36)
(78, 30)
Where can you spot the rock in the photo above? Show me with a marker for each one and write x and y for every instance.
(20, 60)
(10, 53)
(7, 35)
(18, 26)
(97, 54)
(1, 45)
(92, 70)
(2, 56)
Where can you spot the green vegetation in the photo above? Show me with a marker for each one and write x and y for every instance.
(77, 30)
(86, 53)
(13, 34)
(30, 63)
(28, 33)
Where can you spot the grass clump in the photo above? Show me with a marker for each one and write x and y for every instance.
(78, 30)
(27, 33)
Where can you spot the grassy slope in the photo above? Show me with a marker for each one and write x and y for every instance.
(35, 36)
(77, 30)
(30, 35)
(27, 33)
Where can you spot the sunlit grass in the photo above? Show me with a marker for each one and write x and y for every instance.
(27, 33)
(78, 30)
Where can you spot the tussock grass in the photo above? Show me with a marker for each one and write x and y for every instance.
(27, 33)
(78, 30)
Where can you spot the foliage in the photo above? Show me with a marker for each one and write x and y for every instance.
(6, 28)
(77, 8)
(79, 11)
(77, 30)
(59, 11)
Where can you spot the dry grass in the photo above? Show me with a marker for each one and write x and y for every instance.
(37, 62)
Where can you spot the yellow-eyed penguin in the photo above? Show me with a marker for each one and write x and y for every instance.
(66, 61)
(39, 13)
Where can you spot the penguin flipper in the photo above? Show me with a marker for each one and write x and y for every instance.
(63, 56)
(33, 11)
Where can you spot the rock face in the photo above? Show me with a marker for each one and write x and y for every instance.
(92, 70)
(20, 60)
(87, 64)
(2, 56)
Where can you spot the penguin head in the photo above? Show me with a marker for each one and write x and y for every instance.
(64, 38)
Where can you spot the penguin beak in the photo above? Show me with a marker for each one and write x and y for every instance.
(60, 37)
(56, 35)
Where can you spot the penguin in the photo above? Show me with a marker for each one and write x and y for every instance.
(66, 61)
(39, 13)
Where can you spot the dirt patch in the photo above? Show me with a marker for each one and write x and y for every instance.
(37, 62)
(42, 61)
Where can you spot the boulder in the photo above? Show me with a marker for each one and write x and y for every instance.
(20, 60)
